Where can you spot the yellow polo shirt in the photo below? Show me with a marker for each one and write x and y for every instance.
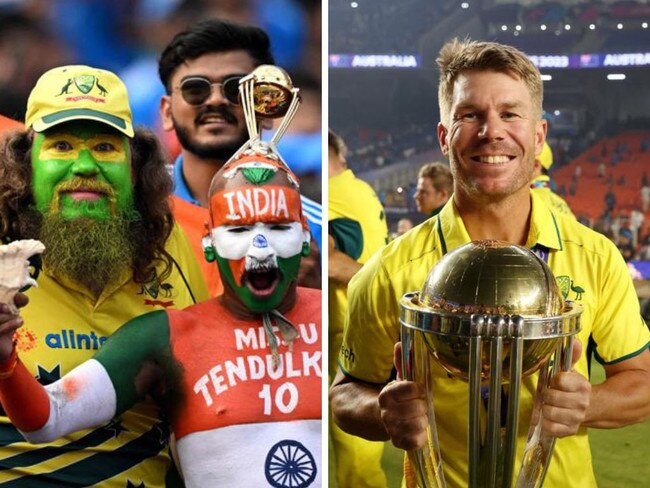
(541, 186)
(64, 326)
(358, 224)
(589, 269)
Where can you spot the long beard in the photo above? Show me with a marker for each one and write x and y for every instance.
(91, 252)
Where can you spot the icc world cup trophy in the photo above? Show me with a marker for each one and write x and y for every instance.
(490, 314)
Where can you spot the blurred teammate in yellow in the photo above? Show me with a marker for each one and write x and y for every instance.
(357, 229)
(541, 183)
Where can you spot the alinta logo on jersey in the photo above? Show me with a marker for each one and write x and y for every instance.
(70, 339)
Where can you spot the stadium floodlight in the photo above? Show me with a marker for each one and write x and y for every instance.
(354, 5)
(619, 26)
(644, 25)
(542, 27)
(504, 27)
(464, 5)
(518, 27)
(616, 76)
(592, 26)
(567, 26)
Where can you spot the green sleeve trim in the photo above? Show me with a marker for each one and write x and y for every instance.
(348, 375)
(348, 237)
(618, 360)
(123, 355)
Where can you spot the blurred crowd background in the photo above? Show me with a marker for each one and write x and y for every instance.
(127, 37)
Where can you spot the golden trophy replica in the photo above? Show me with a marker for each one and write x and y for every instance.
(490, 314)
(267, 93)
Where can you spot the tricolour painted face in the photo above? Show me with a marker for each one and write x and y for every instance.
(81, 169)
(260, 261)
(492, 137)
(216, 128)
(258, 237)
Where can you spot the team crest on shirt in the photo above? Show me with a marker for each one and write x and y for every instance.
(566, 285)
(158, 292)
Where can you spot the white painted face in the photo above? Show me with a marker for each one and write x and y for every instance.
(259, 242)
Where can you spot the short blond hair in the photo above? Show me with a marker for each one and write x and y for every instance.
(337, 144)
(440, 176)
(458, 56)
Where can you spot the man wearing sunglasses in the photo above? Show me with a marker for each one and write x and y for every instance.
(200, 70)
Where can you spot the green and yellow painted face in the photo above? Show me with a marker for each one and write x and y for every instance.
(82, 169)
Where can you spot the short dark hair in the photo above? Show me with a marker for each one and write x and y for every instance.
(212, 36)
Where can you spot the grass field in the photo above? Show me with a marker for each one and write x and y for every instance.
(621, 457)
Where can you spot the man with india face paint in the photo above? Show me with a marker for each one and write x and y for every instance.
(95, 192)
(239, 376)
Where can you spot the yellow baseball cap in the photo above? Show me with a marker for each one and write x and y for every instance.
(79, 93)
(546, 156)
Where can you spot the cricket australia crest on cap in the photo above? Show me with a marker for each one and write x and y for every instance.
(79, 93)
(85, 84)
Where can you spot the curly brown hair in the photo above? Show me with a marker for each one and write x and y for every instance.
(152, 188)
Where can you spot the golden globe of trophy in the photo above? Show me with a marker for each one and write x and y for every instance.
(265, 94)
(490, 314)
(272, 91)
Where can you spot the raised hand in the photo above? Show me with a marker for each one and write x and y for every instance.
(9, 322)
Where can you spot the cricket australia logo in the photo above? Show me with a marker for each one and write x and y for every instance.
(157, 290)
(566, 285)
(84, 84)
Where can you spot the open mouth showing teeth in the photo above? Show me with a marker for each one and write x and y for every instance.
(212, 120)
(262, 282)
(493, 159)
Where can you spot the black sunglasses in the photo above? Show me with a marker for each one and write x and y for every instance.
(197, 89)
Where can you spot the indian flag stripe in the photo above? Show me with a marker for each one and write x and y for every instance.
(83, 398)
(270, 453)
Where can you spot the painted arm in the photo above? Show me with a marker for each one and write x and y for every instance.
(93, 392)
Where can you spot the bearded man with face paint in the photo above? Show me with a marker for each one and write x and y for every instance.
(242, 370)
(95, 192)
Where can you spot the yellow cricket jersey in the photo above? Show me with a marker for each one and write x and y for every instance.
(64, 326)
(588, 268)
(358, 224)
(542, 186)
